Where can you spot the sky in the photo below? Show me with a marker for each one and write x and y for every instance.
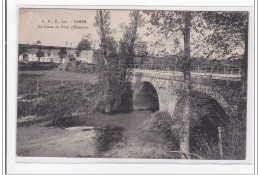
(29, 19)
(34, 25)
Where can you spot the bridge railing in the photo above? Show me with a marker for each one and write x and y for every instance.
(197, 69)
(218, 70)
(160, 67)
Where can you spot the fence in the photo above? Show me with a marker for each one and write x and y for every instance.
(36, 86)
(198, 69)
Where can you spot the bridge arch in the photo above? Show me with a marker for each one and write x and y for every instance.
(211, 93)
(145, 97)
(207, 114)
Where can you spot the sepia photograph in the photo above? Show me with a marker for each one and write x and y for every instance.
(134, 84)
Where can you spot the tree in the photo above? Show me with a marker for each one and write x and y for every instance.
(102, 22)
(107, 67)
(130, 36)
(185, 133)
(141, 50)
(170, 24)
(134, 15)
(230, 30)
(49, 52)
(38, 42)
(210, 33)
(39, 53)
(62, 53)
(84, 44)
(78, 52)
(22, 50)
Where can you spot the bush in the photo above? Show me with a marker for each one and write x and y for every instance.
(160, 121)
(36, 66)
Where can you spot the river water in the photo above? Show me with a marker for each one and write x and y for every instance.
(110, 136)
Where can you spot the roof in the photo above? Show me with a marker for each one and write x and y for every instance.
(44, 47)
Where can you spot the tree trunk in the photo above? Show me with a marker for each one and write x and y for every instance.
(127, 56)
(243, 105)
(245, 63)
(185, 133)
(103, 35)
(105, 77)
(133, 37)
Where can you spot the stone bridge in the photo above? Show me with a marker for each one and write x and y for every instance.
(162, 90)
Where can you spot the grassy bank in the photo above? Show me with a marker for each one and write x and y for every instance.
(56, 94)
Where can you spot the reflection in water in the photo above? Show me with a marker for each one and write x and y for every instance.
(107, 137)
(124, 136)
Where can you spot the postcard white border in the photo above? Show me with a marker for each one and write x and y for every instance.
(98, 165)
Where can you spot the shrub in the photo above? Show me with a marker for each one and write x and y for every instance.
(160, 121)
(36, 66)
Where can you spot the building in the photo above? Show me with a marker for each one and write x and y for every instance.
(28, 53)
(29, 56)
(89, 56)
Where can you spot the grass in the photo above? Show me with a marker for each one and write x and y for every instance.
(60, 94)
(49, 80)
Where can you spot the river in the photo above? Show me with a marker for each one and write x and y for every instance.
(110, 136)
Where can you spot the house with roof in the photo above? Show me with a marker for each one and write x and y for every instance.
(29, 56)
(89, 56)
(51, 54)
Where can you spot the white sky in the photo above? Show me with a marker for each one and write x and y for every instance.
(29, 19)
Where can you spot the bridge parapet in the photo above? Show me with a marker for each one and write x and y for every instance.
(227, 70)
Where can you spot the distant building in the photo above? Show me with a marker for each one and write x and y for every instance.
(89, 56)
(51, 54)
(29, 56)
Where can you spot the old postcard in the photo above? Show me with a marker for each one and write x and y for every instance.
(146, 84)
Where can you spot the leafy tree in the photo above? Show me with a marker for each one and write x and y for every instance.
(78, 52)
(22, 50)
(62, 53)
(107, 67)
(230, 30)
(39, 53)
(207, 34)
(107, 44)
(141, 50)
(38, 42)
(49, 52)
(130, 36)
(84, 44)
(71, 57)
(170, 24)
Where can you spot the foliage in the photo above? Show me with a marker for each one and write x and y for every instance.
(40, 53)
(141, 49)
(108, 67)
(71, 57)
(38, 42)
(62, 53)
(230, 31)
(78, 52)
(84, 44)
(22, 50)
(128, 42)
(102, 22)
(36, 66)
(161, 121)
